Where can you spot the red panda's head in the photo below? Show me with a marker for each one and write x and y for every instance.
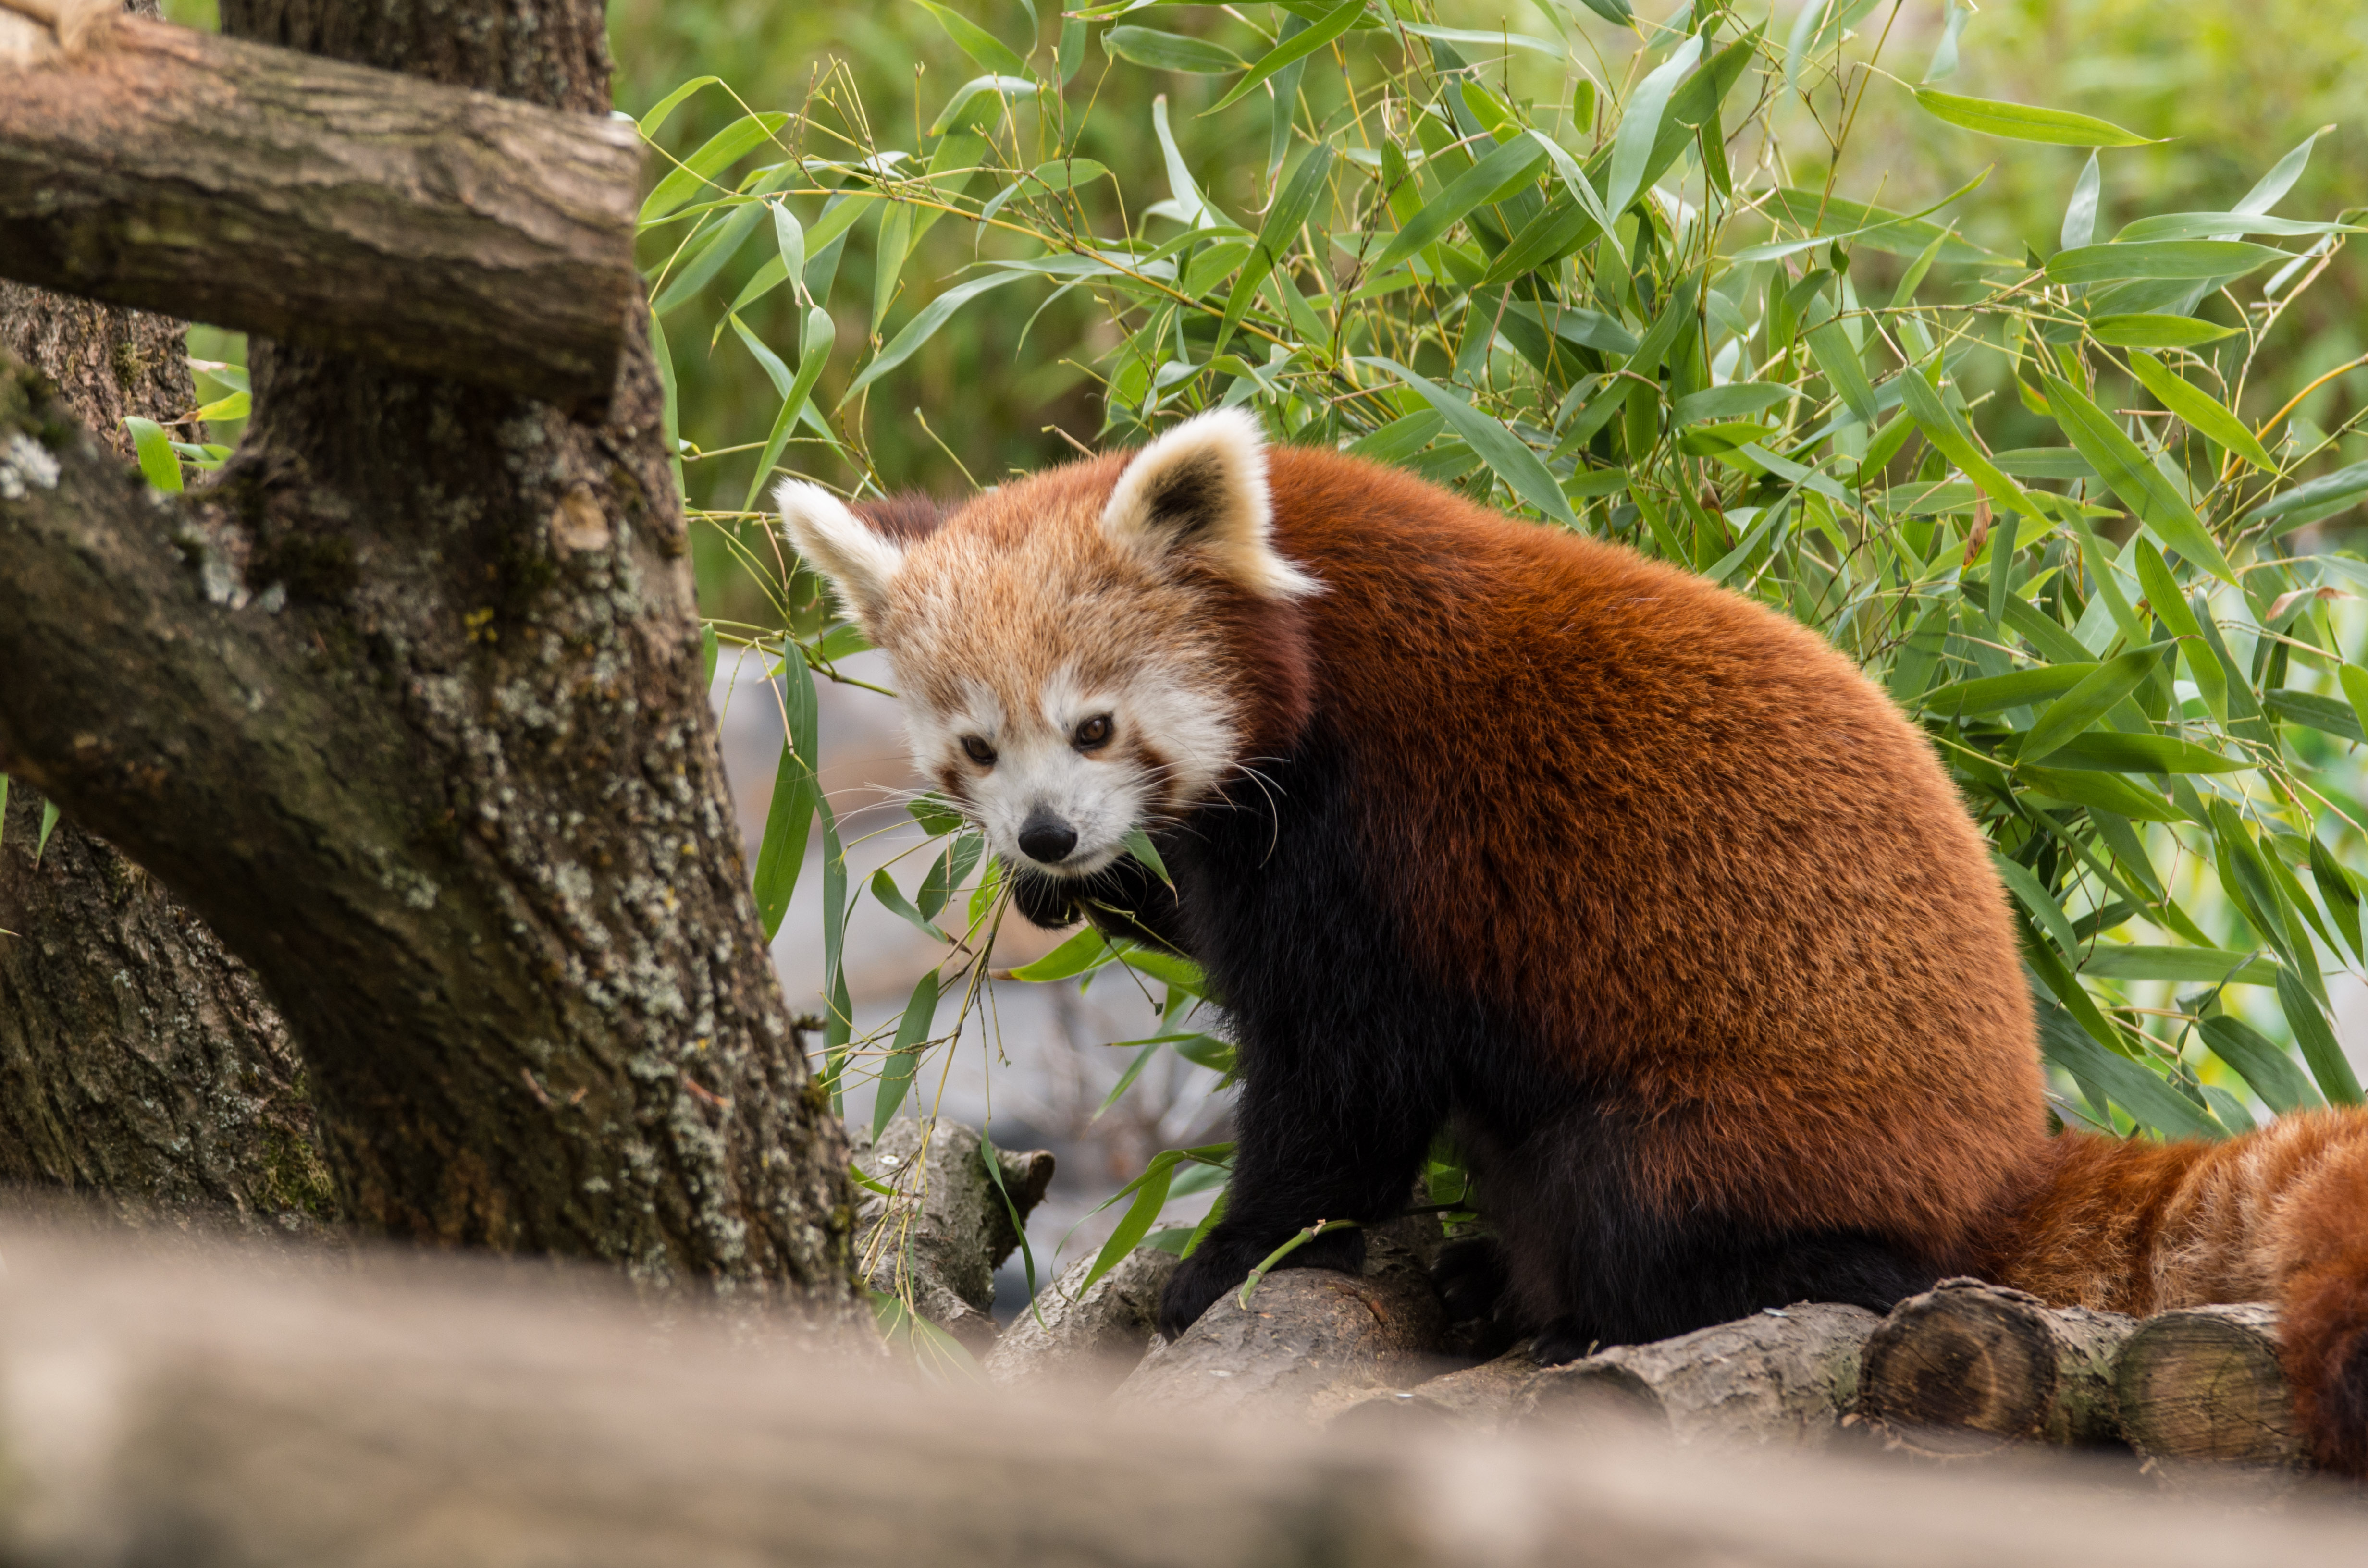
(1087, 651)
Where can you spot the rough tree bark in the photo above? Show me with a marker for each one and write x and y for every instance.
(137, 1057)
(447, 232)
(408, 706)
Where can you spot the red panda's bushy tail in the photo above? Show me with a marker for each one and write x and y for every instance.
(2278, 1215)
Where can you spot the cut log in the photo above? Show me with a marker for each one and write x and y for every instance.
(947, 1228)
(2204, 1383)
(1088, 1339)
(1782, 1378)
(1967, 1369)
(1308, 1336)
(435, 230)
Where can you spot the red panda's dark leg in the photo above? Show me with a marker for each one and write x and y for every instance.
(1591, 1260)
(1308, 1146)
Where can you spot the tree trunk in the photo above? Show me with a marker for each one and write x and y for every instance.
(409, 705)
(137, 1057)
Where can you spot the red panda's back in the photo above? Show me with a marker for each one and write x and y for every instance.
(1681, 837)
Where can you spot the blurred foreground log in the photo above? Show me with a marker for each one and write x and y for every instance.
(2204, 1383)
(428, 228)
(220, 1409)
(1967, 1369)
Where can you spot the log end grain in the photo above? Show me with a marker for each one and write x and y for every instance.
(1967, 1369)
(2204, 1383)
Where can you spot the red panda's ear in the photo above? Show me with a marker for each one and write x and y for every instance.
(1201, 490)
(859, 560)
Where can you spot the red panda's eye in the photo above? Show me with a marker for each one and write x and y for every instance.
(1094, 732)
(980, 752)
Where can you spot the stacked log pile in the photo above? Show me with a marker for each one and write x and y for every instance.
(1966, 1370)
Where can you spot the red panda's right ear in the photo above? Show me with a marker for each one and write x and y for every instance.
(859, 560)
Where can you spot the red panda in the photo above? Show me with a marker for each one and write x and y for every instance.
(1638, 889)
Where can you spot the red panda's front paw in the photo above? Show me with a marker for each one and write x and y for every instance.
(1195, 1285)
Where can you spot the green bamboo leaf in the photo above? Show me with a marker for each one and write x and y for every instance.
(789, 820)
(158, 464)
(1640, 124)
(924, 327)
(1514, 161)
(1320, 32)
(1139, 845)
(719, 152)
(2113, 753)
(2354, 681)
(2262, 1063)
(708, 259)
(1528, 41)
(2025, 122)
(1275, 236)
(2135, 479)
(1087, 949)
(1829, 346)
(913, 1031)
(2336, 890)
(2319, 1047)
(2098, 791)
(1506, 454)
(50, 814)
(948, 872)
(991, 52)
(965, 108)
(892, 898)
(1150, 1196)
(813, 353)
(2186, 966)
(2170, 607)
(667, 106)
(2090, 701)
(2221, 226)
(2320, 497)
(1172, 51)
(2149, 331)
(2192, 260)
(2039, 901)
(2147, 1098)
(1992, 694)
(1729, 401)
(1873, 228)
(2081, 213)
(1940, 427)
(2200, 409)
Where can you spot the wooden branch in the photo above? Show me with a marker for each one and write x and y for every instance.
(1780, 1378)
(1967, 1369)
(2204, 1383)
(443, 231)
(171, 1403)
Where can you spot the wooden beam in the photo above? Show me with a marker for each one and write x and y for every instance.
(438, 230)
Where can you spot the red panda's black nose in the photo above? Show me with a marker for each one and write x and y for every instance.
(1047, 837)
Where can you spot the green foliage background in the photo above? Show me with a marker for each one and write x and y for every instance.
(2062, 446)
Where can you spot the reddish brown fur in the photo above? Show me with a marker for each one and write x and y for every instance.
(1677, 821)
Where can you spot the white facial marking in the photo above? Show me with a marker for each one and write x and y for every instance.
(1166, 745)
